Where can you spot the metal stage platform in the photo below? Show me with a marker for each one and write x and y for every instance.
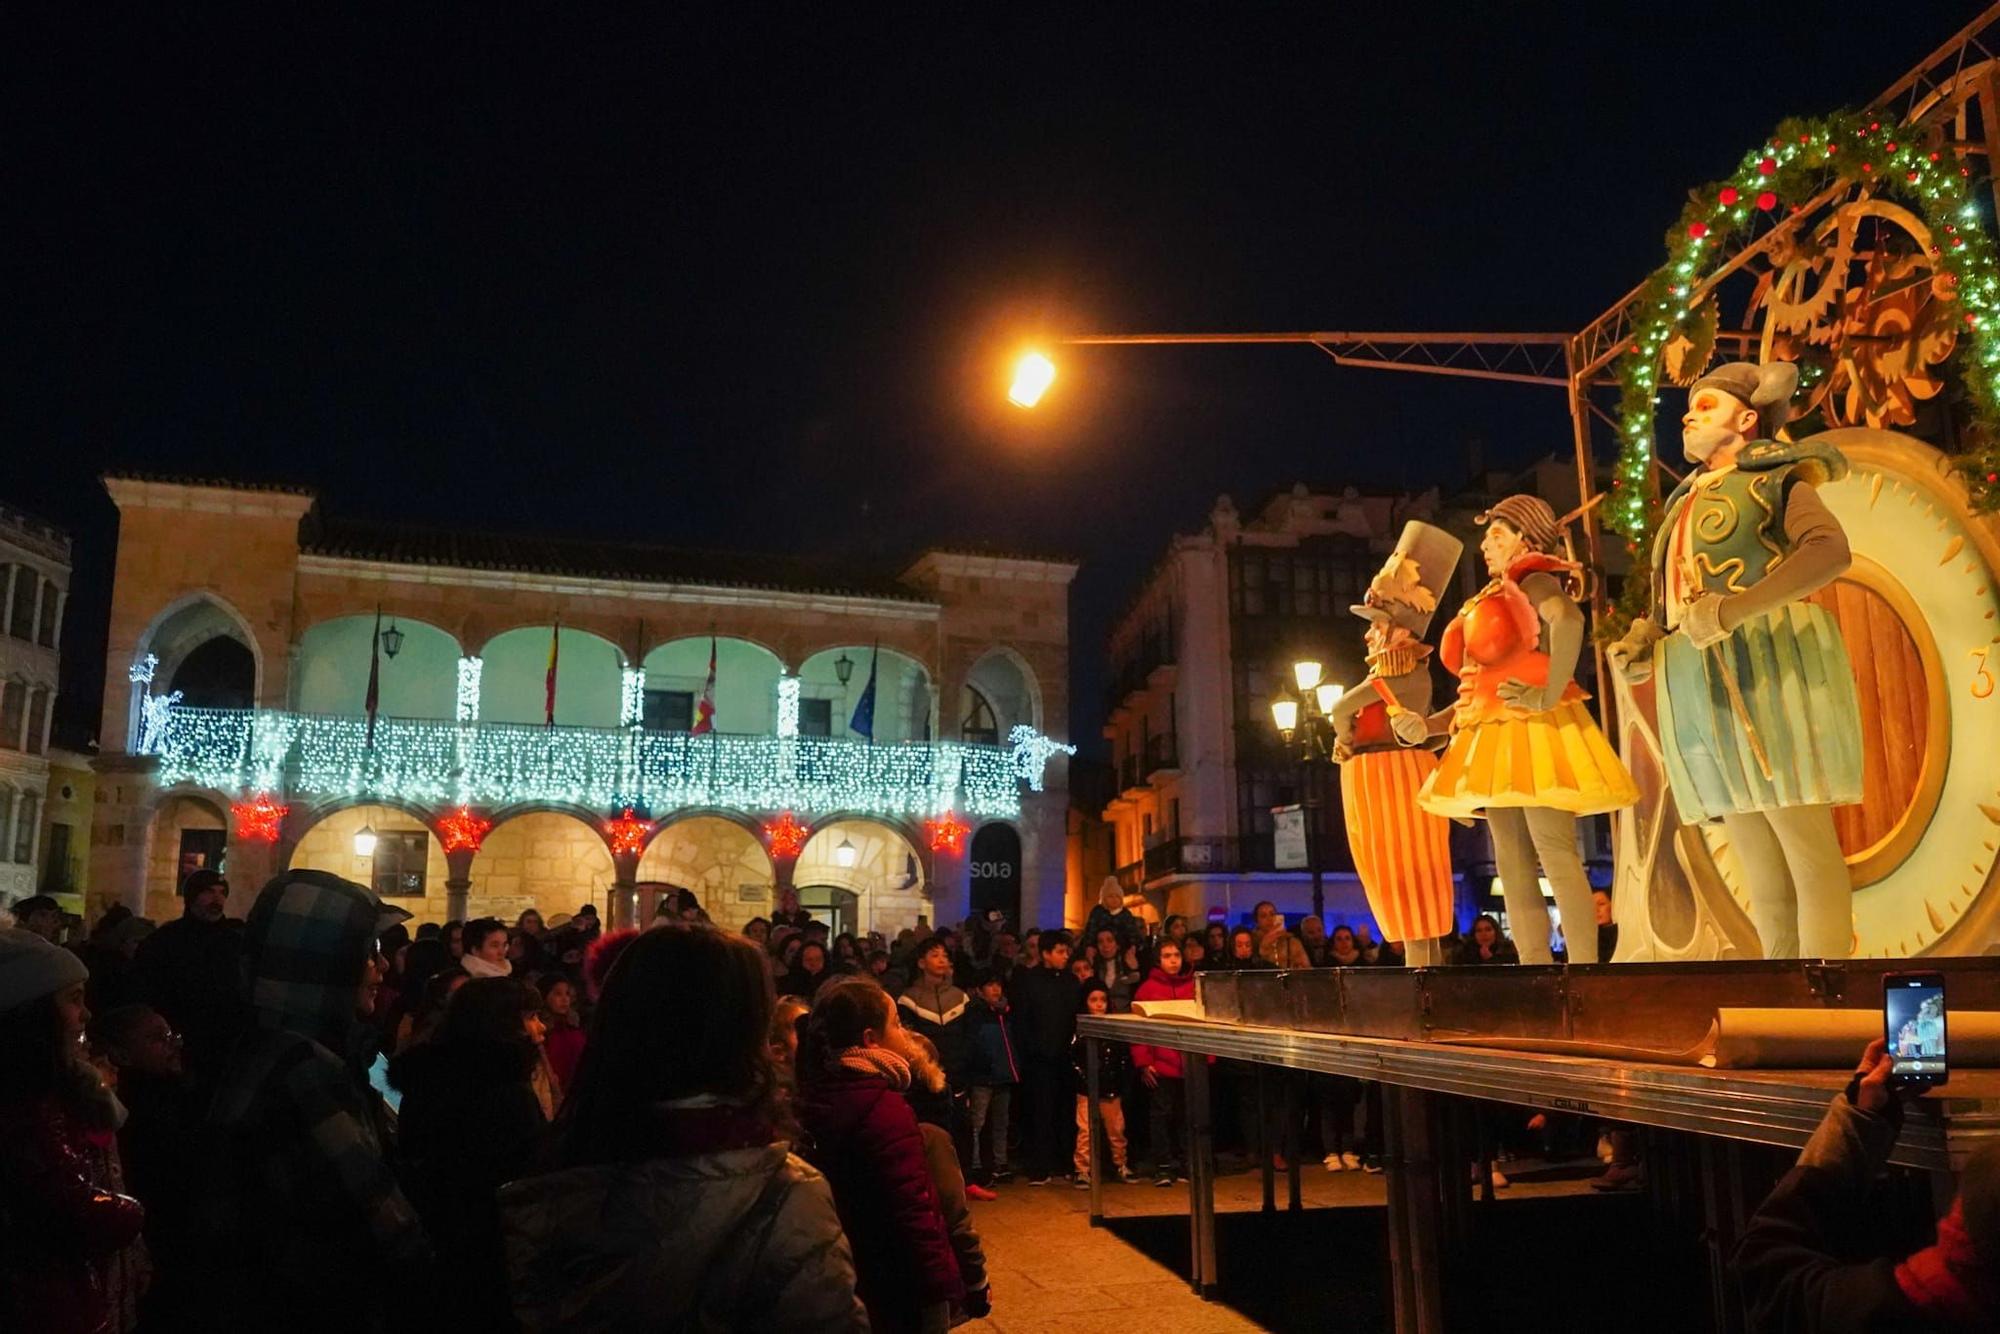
(1711, 1113)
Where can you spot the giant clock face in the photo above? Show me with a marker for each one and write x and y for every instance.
(1920, 612)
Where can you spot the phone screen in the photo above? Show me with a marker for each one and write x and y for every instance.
(1913, 1024)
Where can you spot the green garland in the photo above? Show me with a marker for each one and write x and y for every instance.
(1801, 159)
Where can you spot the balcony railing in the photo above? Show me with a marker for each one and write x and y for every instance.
(495, 764)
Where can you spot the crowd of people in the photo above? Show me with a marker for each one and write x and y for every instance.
(315, 1119)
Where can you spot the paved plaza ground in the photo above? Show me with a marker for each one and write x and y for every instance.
(1053, 1272)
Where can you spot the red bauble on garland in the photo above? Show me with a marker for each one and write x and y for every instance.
(1767, 201)
(1728, 195)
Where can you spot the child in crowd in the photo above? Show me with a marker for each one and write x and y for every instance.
(562, 1045)
(1113, 1061)
(992, 1077)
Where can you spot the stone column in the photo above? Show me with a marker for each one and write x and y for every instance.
(951, 884)
(1044, 857)
(122, 827)
(624, 906)
(458, 882)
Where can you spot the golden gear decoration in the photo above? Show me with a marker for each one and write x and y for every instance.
(1879, 338)
(1687, 353)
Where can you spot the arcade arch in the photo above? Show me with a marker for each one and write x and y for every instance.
(206, 651)
(513, 681)
(547, 860)
(720, 861)
(421, 681)
(746, 685)
(864, 873)
(1000, 694)
(407, 867)
(902, 693)
(189, 831)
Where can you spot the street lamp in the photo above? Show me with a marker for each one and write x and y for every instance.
(392, 640)
(843, 668)
(845, 855)
(1033, 374)
(364, 842)
(1304, 717)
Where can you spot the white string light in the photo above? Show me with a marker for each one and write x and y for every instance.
(466, 708)
(632, 697)
(501, 764)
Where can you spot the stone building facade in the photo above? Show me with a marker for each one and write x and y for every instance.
(34, 583)
(246, 625)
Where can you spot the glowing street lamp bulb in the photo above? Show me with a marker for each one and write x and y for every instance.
(364, 842)
(1285, 713)
(846, 854)
(1329, 693)
(1033, 374)
(1306, 673)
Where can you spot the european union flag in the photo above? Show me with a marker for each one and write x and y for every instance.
(863, 721)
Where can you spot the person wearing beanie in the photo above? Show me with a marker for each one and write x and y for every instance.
(190, 970)
(302, 1215)
(68, 1224)
(1759, 719)
(1795, 1260)
(1514, 648)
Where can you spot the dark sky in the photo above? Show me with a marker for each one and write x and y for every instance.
(623, 270)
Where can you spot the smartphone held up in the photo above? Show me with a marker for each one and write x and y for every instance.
(1913, 1024)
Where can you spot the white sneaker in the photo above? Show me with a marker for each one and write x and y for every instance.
(1332, 1163)
(1352, 1161)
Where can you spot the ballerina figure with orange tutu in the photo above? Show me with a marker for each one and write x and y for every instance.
(1524, 751)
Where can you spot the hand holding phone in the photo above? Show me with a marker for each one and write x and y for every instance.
(1913, 1029)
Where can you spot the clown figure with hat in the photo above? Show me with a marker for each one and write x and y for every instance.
(1401, 851)
(1759, 722)
(1525, 752)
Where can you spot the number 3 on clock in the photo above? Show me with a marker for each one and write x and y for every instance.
(1982, 675)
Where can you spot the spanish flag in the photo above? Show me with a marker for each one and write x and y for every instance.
(549, 687)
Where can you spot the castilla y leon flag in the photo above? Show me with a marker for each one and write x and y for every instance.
(549, 687)
(704, 708)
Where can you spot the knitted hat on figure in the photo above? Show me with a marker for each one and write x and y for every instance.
(31, 968)
(1531, 517)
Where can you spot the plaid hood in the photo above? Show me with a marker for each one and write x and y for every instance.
(307, 937)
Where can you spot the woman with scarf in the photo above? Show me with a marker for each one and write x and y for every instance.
(1525, 752)
(677, 1203)
(855, 1064)
(69, 1265)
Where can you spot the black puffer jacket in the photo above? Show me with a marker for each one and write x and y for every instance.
(1045, 1002)
(469, 1124)
(942, 1013)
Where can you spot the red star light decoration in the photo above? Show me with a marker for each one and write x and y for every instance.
(259, 818)
(786, 835)
(947, 832)
(464, 829)
(628, 833)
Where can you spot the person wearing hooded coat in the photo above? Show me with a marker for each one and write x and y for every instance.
(298, 1209)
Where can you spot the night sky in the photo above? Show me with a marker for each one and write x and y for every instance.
(756, 286)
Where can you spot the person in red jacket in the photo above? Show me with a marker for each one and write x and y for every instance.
(855, 1062)
(65, 1222)
(1162, 1072)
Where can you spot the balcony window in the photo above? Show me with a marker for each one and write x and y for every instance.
(815, 717)
(38, 720)
(24, 829)
(669, 710)
(21, 618)
(401, 856)
(45, 633)
(13, 700)
(980, 725)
